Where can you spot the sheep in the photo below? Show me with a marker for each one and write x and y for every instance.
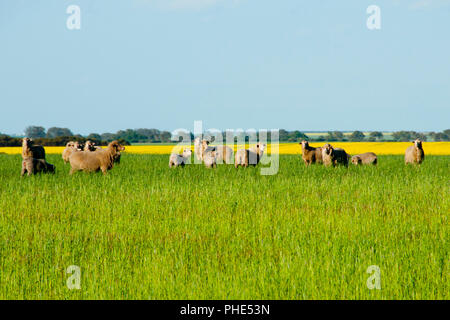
(210, 159)
(415, 154)
(334, 156)
(252, 156)
(116, 157)
(70, 147)
(310, 154)
(365, 158)
(34, 166)
(102, 159)
(90, 146)
(198, 149)
(177, 160)
(223, 153)
(29, 150)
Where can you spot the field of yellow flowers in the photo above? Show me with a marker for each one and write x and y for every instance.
(380, 148)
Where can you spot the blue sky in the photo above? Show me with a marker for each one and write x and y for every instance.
(307, 65)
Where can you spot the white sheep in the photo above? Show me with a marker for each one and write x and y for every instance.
(210, 159)
(176, 160)
(252, 156)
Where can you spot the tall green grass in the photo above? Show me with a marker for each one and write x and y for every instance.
(147, 232)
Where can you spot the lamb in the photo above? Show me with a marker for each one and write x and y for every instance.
(102, 159)
(310, 154)
(365, 158)
(334, 156)
(414, 154)
(29, 150)
(177, 160)
(252, 156)
(210, 159)
(34, 166)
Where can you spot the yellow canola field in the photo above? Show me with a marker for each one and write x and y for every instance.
(380, 148)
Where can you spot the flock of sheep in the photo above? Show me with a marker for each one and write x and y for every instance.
(330, 156)
(88, 157)
(91, 158)
(211, 156)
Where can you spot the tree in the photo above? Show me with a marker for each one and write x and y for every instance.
(408, 136)
(35, 132)
(94, 136)
(54, 132)
(108, 136)
(335, 136)
(447, 133)
(376, 135)
(357, 136)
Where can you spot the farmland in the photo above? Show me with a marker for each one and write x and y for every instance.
(146, 232)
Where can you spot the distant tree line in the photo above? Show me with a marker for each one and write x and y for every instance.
(56, 136)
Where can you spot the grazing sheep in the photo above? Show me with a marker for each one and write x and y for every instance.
(177, 160)
(71, 146)
(310, 154)
(414, 154)
(34, 166)
(29, 150)
(252, 156)
(334, 156)
(102, 159)
(365, 158)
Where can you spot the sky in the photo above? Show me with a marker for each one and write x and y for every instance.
(297, 65)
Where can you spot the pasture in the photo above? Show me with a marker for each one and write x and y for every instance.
(144, 231)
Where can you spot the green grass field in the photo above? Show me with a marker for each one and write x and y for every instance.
(147, 232)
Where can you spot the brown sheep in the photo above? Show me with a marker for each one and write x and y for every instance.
(414, 154)
(102, 159)
(29, 150)
(333, 156)
(252, 156)
(90, 146)
(365, 158)
(34, 166)
(116, 157)
(310, 154)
